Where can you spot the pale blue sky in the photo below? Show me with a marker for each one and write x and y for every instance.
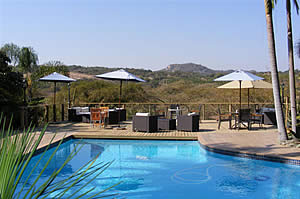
(150, 34)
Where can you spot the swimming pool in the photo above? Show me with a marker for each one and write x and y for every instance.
(178, 169)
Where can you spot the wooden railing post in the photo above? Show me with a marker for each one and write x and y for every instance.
(54, 113)
(62, 112)
(204, 118)
(230, 108)
(167, 111)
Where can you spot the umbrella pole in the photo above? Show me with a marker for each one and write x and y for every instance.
(119, 111)
(54, 106)
(120, 93)
(69, 98)
(248, 97)
(240, 81)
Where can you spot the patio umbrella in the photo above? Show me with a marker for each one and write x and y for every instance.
(56, 77)
(247, 84)
(120, 75)
(239, 76)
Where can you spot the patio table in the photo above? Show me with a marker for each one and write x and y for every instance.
(166, 124)
(254, 117)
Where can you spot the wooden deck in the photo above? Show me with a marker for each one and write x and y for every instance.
(259, 141)
(84, 130)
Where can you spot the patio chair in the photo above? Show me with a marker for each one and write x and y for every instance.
(270, 118)
(198, 111)
(256, 118)
(144, 123)
(95, 118)
(104, 115)
(244, 116)
(224, 118)
(188, 122)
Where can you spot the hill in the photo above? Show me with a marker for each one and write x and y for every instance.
(153, 78)
(189, 67)
(193, 68)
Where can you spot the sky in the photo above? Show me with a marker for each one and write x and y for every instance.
(148, 34)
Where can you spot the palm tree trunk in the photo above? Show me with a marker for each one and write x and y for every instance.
(291, 67)
(274, 71)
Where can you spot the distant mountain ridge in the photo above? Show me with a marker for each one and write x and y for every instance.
(193, 68)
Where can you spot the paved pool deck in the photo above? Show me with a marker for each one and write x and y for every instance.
(259, 143)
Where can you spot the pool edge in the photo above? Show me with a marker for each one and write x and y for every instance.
(250, 155)
(208, 148)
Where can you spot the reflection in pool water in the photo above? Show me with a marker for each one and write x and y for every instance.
(179, 169)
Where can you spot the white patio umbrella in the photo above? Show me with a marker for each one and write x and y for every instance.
(239, 76)
(56, 77)
(247, 85)
(120, 75)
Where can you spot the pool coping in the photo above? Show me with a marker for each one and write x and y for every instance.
(41, 149)
(249, 155)
(126, 137)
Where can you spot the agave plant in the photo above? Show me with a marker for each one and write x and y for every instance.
(16, 152)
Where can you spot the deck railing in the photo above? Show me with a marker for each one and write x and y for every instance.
(41, 114)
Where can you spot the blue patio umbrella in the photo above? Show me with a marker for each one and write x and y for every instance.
(56, 77)
(240, 76)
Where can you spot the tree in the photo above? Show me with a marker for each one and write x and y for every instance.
(28, 59)
(48, 68)
(12, 51)
(4, 61)
(291, 65)
(274, 71)
(10, 84)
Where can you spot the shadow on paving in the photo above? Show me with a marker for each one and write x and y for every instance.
(67, 127)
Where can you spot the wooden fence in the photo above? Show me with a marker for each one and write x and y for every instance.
(56, 113)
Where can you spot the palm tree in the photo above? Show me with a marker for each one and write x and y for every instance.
(12, 51)
(291, 64)
(274, 71)
(28, 60)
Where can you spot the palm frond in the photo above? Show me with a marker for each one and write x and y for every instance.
(16, 153)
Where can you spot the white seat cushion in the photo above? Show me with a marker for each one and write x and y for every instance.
(190, 114)
(142, 114)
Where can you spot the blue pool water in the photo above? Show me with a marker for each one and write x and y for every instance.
(178, 169)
